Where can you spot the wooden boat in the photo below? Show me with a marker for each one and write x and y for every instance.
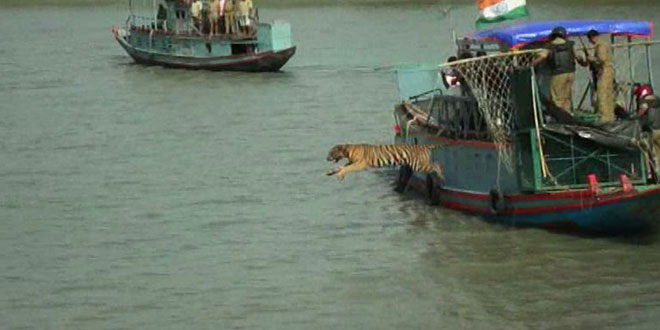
(509, 155)
(170, 38)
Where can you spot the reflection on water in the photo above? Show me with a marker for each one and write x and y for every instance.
(142, 197)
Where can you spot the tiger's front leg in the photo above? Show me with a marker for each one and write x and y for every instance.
(334, 171)
(355, 167)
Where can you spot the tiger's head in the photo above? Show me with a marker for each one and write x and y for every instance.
(337, 153)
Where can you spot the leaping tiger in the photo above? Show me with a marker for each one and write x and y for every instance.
(362, 156)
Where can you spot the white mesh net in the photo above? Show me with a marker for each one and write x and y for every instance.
(488, 80)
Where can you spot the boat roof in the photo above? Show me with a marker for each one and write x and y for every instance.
(521, 34)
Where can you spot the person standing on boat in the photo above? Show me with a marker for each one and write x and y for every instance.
(244, 9)
(560, 57)
(221, 17)
(450, 78)
(196, 13)
(161, 17)
(602, 62)
(214, 16)
(228, 15)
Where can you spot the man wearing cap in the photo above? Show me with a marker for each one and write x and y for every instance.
(602, 62)
(560, 57)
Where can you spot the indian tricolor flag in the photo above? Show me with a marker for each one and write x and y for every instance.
(493, 11)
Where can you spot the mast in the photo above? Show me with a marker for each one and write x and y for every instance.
(130, 13)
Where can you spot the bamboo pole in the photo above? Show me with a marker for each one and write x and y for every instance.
(544, 165)
(649, 65)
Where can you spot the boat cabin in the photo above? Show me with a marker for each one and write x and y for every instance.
(489, 108)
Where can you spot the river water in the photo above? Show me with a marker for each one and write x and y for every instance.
(137, 197)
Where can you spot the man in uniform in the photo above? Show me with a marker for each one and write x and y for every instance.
(560, 57)
(602, 63)
(244, 10)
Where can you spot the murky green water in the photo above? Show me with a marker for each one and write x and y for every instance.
(138, 197)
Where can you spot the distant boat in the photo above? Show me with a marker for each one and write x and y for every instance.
(506, 153)
(168, 36)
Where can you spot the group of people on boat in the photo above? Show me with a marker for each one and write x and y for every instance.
(215, 17)
(560, 58)
(560, 62)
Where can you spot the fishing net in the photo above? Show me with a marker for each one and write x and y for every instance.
(488, 80)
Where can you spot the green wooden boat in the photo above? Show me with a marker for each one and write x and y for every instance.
(508, 155)
(163, 33)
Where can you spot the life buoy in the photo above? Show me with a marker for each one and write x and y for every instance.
(497, 204)
(432, 185)
(405, 173)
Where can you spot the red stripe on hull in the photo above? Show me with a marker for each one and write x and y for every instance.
(467, 208)
(585, 197)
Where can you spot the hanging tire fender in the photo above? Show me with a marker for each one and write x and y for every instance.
(432, 185)
(402, 180)
(497, 203)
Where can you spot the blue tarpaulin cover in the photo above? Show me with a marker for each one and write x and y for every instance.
(520, 34)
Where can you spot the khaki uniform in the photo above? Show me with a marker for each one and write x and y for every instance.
(228, 12)
(561, 85)
(605, 84)
(244, 7)
(561, 90)
(215, 10)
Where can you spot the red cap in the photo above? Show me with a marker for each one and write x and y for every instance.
(642, 90)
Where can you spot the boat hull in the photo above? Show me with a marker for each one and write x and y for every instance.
(616, 212)
(268, 61)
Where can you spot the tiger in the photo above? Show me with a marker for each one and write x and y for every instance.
(362, 156)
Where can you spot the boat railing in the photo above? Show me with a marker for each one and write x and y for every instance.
(136, 20)
(147, 23)
(632, 67)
